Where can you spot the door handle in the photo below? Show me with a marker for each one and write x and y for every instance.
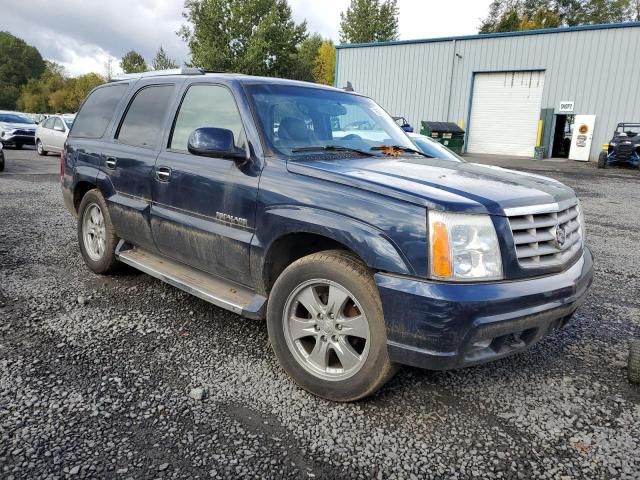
(163, 174)
(110, 162)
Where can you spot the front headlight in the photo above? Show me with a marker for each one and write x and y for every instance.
(463, 247)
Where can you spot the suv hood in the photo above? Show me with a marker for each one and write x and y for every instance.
(440, 184)
(17, 126)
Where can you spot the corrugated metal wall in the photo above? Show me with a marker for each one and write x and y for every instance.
(599, 69)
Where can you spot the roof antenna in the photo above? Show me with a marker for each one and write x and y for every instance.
(349, 87)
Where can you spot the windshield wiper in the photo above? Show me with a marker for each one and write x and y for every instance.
(402, 149)
(331, 148)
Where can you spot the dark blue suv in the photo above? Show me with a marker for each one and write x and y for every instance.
(260, 196)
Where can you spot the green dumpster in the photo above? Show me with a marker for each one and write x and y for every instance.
(448, 134)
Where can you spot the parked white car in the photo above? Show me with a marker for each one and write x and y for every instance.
(52, 133)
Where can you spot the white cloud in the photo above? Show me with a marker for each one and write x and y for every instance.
(82, 34)
(417, 19)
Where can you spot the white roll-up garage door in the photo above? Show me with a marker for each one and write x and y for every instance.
(504, 113)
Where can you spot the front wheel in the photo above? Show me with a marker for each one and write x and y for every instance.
(327, 328)
(96, 234)
(40, 148)
(602, 160)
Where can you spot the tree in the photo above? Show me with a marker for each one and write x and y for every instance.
(108, 68)
(604, 11)
(162, 61)
(542, 18)
(133, 62)
(19, 62)
(369, 21)
(257, 37)
(512, 15)
(55, 92)
(306, 58)
(325, 64)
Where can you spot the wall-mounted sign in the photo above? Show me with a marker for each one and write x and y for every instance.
(566, 107)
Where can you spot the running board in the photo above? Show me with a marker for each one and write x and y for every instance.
(215, 290)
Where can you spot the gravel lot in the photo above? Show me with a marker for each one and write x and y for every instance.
(97, 374)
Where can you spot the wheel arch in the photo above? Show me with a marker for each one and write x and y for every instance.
(298, 232)
(80, 190)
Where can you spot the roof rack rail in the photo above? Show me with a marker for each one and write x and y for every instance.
(159, 73)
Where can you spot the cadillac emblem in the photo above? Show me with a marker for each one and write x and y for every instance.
(561, 235)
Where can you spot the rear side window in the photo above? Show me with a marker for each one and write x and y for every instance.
(97, 111)
(145, 117)
(205, 106)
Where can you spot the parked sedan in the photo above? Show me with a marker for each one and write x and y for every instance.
(52, 133)
(429, 146)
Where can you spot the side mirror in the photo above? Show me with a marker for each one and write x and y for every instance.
(214, 142)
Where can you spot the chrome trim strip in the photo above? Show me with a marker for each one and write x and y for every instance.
(543, 208)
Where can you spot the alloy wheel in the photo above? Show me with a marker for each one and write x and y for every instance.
(94, 233)
(326, 329)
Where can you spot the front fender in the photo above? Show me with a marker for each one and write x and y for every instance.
(372, 245)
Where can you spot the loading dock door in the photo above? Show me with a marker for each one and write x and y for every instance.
(504, 113)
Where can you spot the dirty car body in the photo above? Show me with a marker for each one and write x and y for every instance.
(517, 269)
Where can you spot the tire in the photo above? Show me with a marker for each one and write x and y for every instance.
(18, 146)
(1, 162)
(41, 151)
(349, 367)
(99, 254)
(633, 368)
(602, 160)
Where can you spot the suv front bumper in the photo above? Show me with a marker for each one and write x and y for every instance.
(440, 326)
(14, 139)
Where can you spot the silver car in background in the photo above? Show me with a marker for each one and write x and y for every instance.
(16, 129)
(52, 133)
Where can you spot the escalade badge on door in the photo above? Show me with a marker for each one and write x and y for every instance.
(225, 217)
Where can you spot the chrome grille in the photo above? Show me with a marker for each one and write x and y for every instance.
(546, 239)
(26, 133)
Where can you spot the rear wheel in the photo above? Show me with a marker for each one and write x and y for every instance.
(40, 148)
(327, 328)
(96, 235)
(602, 160)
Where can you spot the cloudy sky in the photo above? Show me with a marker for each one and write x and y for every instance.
(82, 34)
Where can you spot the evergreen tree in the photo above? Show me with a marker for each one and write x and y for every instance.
(369, 21)
(162, 61)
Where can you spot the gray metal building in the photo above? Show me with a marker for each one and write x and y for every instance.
(563, 89)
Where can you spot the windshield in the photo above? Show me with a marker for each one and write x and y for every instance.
(435, 149)
(631, 130)
(13, 118)
(294, 118)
